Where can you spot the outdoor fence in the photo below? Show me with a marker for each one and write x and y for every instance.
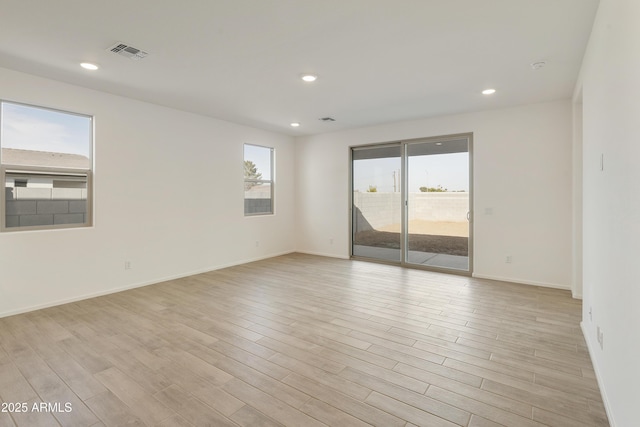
(45, 206)
(376, 210)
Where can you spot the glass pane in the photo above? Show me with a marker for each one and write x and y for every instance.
(257, 198)
(258, 180)
(377, 203)
(438, 192)
(34, 136)
(257, 162)
(40, 199)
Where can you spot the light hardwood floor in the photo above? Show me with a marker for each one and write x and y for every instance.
(300, 340)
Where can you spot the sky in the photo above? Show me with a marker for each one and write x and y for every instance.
(261, 157)
(451, 171)
(39, 129)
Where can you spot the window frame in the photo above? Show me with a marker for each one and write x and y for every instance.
(7, 168)
(271, 181)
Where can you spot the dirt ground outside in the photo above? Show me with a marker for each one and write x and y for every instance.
(439, 228)
(424, 236)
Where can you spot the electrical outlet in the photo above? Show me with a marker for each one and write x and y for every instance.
(508, 259)
(127, 265)
(257, 244)
(331, 241)
(591, 314)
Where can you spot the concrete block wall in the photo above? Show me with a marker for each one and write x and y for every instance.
(45, 206)
(255, 206)
(378, 209)
(439, 206)
(257, 199)
(375, 210)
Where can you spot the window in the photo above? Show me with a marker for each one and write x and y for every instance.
(46, 165)
(258, 180)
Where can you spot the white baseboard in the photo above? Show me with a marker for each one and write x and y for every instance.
(322, 254)
(136, 285)
(522, 282)
(603, 392)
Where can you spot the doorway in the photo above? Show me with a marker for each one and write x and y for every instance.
(411, 203)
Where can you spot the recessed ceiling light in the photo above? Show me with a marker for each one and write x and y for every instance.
(295, 124)
(488, 91)
(309, 78)
(438, 143)
(89, 66)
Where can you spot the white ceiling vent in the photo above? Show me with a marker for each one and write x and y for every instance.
(128, 51)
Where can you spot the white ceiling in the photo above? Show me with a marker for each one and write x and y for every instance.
(240, 60)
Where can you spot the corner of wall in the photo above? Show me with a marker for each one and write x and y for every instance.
(596, 369)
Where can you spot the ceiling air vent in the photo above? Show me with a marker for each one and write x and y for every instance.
(328, 119)
(128, 51)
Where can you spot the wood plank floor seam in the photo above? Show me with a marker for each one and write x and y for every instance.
(304, 340)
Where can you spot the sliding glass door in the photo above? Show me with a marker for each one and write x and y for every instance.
(438, 213)
(412, 203)
(377, 208)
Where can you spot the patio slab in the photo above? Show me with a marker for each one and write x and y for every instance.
(455, 262)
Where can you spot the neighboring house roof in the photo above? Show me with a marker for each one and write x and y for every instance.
(14, 156)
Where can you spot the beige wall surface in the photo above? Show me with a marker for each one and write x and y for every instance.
(191, 215)
(522, 181)
(610, 87)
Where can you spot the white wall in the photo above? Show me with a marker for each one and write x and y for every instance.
(610, 81)
(522, 171)
(191, 219)
(576, 285)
